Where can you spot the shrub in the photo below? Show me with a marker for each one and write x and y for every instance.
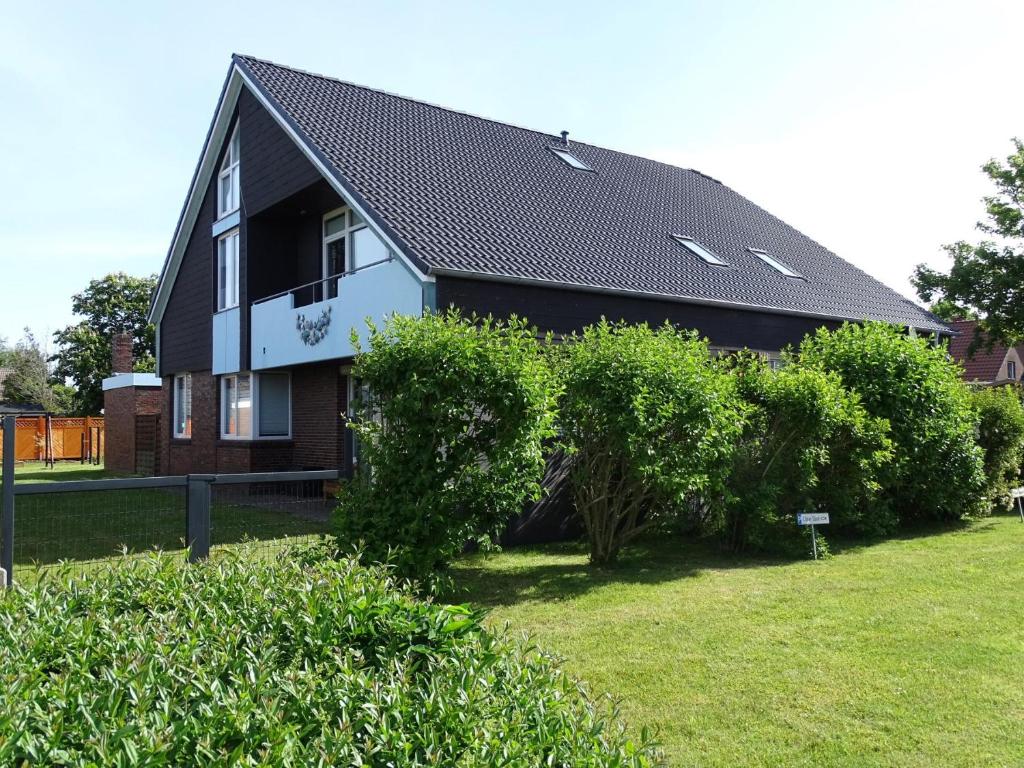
(1001, 437)
(285, 664)
(649, 421)
(807, 445)
(450, 440)
(936, 472)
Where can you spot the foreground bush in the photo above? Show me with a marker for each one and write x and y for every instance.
(937, 471)
(450, 438)
(286, 664)
(650, 422)
(807, 445)
(1001, 437)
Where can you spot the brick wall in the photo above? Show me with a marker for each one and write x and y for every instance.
(319, 401)
(120, 406)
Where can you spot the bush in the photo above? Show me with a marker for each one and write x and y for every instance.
(937, 469)
(450, 440)
(285, 664)
(649, 421)
(807, 445)
(1001, 437)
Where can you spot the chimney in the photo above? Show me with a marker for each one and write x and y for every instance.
(121, 357)
(565, 138)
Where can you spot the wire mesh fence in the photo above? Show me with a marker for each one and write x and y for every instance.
(82, 524)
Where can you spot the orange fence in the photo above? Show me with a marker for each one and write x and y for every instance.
(69, 438)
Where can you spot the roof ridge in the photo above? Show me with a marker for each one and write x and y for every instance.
(474, 115)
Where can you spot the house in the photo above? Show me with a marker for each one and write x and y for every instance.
(984, 366)
(318, 203)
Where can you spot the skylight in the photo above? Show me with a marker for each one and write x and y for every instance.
(699, 250)
(570, 159)
(775, 264)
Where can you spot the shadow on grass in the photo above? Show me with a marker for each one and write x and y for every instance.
(545, 574)
(38, 473)
(554, 572)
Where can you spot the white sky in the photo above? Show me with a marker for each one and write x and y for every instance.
(861, 124)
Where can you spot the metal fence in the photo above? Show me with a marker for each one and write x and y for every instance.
(82, 522)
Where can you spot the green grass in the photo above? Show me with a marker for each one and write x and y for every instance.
(90, 527)
(906, 653)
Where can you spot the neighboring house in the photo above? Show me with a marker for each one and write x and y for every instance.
(318, 203)
(985, 366)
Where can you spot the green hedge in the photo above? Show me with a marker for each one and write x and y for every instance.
(1001, 437)
(313, 663)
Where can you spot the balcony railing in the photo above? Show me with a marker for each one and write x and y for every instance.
(314, 321)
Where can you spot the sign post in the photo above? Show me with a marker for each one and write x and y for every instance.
(812, 519)
(1016, 494)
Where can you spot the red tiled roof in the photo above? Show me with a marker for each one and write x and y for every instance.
(984, 365)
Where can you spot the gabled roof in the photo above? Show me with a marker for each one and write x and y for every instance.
(984, 364)
(464, 195)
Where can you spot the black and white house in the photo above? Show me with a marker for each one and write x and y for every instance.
(318, 203)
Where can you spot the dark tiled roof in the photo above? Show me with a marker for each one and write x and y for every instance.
(473, 195)
(985, 363)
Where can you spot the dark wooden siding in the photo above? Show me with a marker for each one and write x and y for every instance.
(273, 168)
(186, 330)
(563, 311)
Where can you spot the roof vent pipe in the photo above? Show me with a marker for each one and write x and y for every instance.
(565, 138)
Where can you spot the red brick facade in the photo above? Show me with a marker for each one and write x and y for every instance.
(319, 400)
(120, 407)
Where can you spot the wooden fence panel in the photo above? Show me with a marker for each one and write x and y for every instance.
(67, 433)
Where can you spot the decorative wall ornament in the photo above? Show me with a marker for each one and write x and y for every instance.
(312, 332)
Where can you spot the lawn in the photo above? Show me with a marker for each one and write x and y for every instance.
(93, 526)
(905, 653)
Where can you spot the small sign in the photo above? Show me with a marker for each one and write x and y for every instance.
(812, 518)
(1017, 493)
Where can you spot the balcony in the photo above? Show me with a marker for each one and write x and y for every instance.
(314, 322)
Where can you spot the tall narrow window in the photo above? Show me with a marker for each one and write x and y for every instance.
(274, 398)
(227, 271)
(236, 406)
(183, 405)
(775, 264)
(1011, 370)
(348, 245)
(227, 179)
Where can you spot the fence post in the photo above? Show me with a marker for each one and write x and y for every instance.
(7, 511)
(197, 517)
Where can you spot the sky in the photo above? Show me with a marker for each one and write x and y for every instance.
(864, 125)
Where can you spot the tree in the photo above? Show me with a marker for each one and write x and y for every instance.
(937, 471)
(987, 278)
(450, 436)
(29, 380)
(115, 303)
(649, 421)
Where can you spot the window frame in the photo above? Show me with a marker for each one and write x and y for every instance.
(570, 159)
(698, 249)
(779, 266)
(231, 278)
(230, 168)
(347, 231)
(1011, 370)
(186, 434)
(256, 400)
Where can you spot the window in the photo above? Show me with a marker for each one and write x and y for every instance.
(183, 405)
(348, 245)
(227, 271)
(775, 264)
(1011, 370)
(699, 250)
(275, 404)
(256, 405)
(570, 159)
(227, 180)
